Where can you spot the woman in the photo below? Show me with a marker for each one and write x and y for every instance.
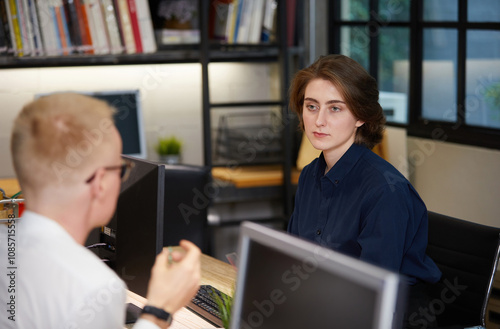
(349, 199)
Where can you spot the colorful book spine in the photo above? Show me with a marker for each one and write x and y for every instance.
(26, 45)
(221, 12)
(126, 27)
(16, 26)
(135, 25)
(108, 11)
(48, 29)
(71, 17)
(146, 31)
(268, 20)
(4, 18)
(62, 27)
(37, 36)
(83, 23)
(98, 28)
(256, 22)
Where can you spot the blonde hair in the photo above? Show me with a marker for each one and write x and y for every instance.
(56, 136)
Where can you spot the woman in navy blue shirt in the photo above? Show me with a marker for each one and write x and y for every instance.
(349, 199)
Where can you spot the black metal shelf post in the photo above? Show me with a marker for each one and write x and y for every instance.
(250, 53)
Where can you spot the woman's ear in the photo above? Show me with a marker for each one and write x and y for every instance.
(359, 123)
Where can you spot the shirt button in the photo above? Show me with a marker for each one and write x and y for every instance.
(318, 232)
(336, 181)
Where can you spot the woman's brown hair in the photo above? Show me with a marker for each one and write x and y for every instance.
(358, 88)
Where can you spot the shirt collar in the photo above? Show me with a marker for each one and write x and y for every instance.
(39, 223)
(343, 166)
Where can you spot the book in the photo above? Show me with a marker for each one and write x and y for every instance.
(25, 36)
(62, 27)
(126, 26)
(3, 39)
(48, 29)
(244, 21)
(35, 26)
(118, 21)
(221, 12)
(268, 21)
(145, 27)
(255, 29)
(12, 26)
(135, 25)
(87, 45)
(73, 27)
(176, 36)
(16, 35)
(97, 27)
(6, 35)
(108, 11)
(233, 29)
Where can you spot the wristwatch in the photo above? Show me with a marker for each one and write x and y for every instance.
(158, 313)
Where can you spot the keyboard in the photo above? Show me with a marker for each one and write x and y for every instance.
(204, 305)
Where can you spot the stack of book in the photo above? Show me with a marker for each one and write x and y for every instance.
(66, 27)
(243, 21)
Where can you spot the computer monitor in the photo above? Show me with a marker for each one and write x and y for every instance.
(128, 118)
(135, 233)
(286, 282)
(188, 195)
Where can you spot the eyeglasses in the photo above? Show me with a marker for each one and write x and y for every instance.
(125, 169)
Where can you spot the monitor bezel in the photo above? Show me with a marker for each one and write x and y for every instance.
(140, 115)
(385, 282)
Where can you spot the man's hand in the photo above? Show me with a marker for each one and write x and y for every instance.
(173, 285)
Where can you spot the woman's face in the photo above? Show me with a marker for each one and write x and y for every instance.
(328, 123)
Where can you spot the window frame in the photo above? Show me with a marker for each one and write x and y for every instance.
(417, 126)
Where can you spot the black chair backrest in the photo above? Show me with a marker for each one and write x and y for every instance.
(466, 253)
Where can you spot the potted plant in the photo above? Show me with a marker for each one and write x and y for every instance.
(492, 96)
(169, 149)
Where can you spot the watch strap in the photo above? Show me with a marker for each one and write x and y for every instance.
(158, 313)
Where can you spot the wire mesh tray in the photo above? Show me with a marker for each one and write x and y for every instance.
(251, 137)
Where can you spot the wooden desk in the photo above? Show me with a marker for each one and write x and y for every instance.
(254, 176)
(213, 272)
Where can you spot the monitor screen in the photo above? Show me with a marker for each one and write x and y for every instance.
(128, 118)
(286, 282)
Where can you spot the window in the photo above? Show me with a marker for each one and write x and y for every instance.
(437, 63)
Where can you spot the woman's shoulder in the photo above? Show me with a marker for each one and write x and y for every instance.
(380, 170)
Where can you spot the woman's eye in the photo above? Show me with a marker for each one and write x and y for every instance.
(311, 107)
(335, 109)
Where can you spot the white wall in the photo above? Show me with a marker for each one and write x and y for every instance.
(171, 96)
(457, 180)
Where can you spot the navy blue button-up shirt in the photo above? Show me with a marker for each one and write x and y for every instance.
(365, 208)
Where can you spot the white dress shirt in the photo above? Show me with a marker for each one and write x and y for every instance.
(53, 282)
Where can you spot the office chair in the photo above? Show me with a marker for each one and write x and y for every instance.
(187, 198)
(467, 254)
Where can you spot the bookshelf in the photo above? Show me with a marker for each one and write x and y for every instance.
(274, 53)
(205, 52)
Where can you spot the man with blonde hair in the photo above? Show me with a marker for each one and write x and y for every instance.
(67, 157)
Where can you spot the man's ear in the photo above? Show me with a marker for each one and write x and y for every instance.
(96, 185)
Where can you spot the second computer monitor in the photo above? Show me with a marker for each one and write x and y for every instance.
(286, 282)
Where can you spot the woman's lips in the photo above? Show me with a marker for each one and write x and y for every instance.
(319, 135)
